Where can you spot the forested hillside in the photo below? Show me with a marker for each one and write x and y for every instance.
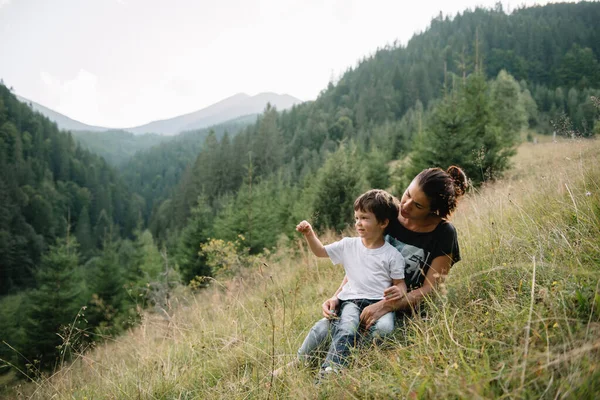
(117, 146)
(66, 220)
(154, 172)
(550, 46)
(448, 88)
(49, 187)
(466, 91)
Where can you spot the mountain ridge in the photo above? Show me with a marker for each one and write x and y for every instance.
(232, 107)
(240, 104)
(64, 122)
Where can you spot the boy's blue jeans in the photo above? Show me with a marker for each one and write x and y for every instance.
(343, 333)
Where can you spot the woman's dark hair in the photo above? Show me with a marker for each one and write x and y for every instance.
(443, 188)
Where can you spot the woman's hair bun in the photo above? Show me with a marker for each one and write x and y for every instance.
(459, 178)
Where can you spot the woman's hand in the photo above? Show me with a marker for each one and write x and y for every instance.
(329, 307)
(372, 313)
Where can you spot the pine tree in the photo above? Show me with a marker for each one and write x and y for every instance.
(443, 142)
(197, 231)
(464, 130)
(55, 303)
(149, 261)
(336, 186)
(530, 107)
(507, 106)
(83, 231)
(267, 145)
(152, 275)
(107, 288)
(376, 169)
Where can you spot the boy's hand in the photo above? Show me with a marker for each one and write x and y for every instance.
(394, 293)
(304, 228)
(313, 241)
(329, 307)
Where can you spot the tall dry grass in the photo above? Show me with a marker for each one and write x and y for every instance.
(518, 317)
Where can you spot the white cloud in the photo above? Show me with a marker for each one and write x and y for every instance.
(4, 3)
(76, 98)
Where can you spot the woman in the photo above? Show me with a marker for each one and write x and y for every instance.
(428, 243)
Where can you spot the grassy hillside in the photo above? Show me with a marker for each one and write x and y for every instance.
(518, 317)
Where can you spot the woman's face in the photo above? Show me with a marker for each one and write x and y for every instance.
(414, 203)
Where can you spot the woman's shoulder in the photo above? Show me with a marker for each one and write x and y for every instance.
(446, 227)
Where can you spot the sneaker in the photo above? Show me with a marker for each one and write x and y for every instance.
(325, 373)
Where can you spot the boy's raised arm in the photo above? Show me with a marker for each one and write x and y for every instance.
(313, 241)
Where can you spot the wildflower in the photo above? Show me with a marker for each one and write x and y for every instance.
(588, 194)
(555, 325)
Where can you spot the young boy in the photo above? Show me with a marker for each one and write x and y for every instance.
(371, 264)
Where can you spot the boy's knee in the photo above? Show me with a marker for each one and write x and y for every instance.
(347, 329)
(317, 335)
(320, 329)
(384, 326)
(349, 320)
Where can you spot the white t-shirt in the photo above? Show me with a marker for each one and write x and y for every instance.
(369, 271)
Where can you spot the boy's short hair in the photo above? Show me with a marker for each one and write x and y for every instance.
(380, 203)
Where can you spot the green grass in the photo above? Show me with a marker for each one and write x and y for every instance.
(518, 317)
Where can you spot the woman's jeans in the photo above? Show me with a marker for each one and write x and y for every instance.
(343, 332)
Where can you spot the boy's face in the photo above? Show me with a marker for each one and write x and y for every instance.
(367, 225)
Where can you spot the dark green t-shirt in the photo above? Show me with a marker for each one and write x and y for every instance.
(419, 249)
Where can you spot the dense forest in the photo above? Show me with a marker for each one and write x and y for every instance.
(117, 146)
(154, 172)
(81, 240)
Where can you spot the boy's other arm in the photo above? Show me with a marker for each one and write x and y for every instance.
(313, 241)
(333, 302)
(395, 292)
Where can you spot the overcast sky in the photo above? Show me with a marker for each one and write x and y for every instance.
(122, 63)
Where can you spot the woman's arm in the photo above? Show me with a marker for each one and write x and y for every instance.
(333, 302)
(437, 272)
(440, 267)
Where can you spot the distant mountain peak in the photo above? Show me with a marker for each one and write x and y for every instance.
(239, 95)
(240, 104)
